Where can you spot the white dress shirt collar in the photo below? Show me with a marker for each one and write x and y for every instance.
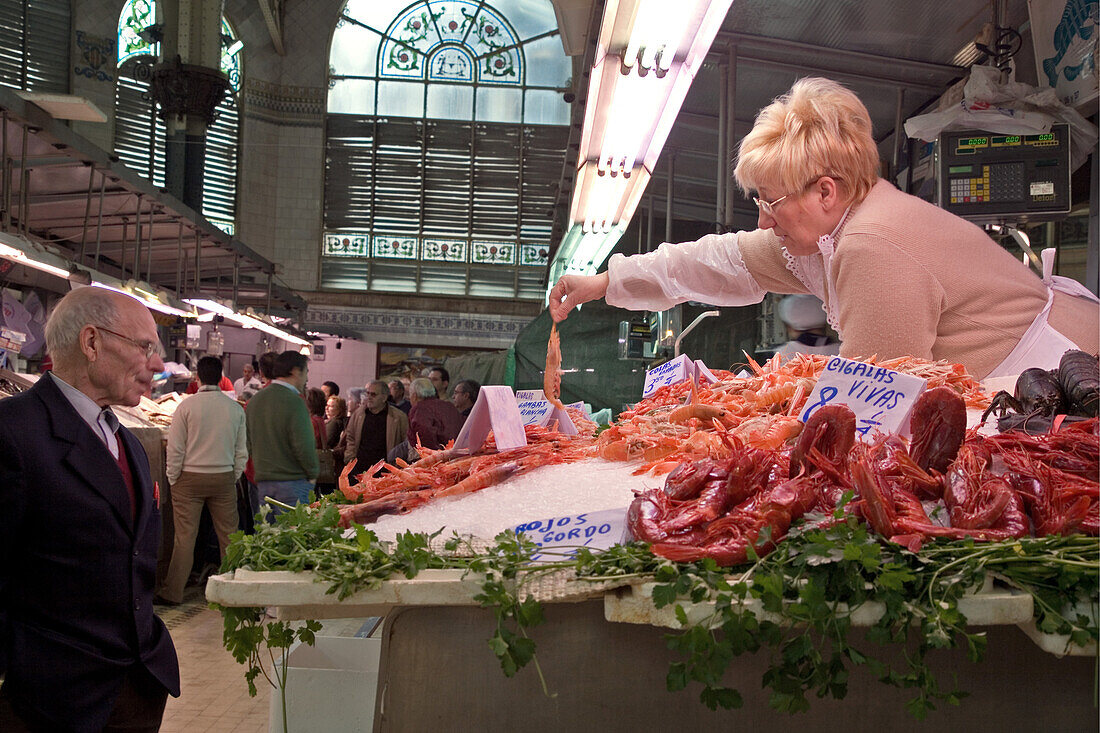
(102, 421)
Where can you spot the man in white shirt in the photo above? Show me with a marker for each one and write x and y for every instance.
(804, 317)
(207, 451)
(249, 383)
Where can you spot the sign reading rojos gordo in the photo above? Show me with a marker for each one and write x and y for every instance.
(881, 398)
(593, 530)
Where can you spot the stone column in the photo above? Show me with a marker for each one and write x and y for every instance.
(188, 85)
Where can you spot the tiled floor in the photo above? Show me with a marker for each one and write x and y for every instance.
(213, 692)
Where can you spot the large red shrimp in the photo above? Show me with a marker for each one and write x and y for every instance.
(551, 378)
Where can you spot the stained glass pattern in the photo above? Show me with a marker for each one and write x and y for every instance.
(346, 245)
(451, 40)
(231, 59)
(536, 255)
(136, 16)
(444, 250)
(497, 253)
(394, 248)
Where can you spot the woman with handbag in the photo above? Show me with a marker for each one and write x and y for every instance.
(326, 479)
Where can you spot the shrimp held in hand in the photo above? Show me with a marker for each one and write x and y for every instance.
(551, 378)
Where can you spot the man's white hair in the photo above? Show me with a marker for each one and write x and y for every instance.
(423, 388)
(81, 307)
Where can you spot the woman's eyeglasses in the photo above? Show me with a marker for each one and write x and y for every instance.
(768, 207)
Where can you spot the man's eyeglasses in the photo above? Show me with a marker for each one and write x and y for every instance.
(150, 348)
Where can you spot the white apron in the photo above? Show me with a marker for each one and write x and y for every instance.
(1041, 345)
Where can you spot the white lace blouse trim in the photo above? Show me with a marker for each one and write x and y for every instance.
(815, 272)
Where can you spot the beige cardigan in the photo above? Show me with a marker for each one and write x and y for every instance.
(905, 278)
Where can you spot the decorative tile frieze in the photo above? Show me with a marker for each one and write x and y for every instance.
(492, 331)
(284, 105)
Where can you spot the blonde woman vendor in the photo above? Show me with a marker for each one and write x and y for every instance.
(898, 276)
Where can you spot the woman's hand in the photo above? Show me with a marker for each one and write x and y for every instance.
(572, 290)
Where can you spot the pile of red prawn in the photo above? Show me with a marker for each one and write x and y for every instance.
(688, 422)
(985, 488)
(679, 422)
(386, 488)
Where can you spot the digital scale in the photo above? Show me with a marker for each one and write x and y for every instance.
(989, 177)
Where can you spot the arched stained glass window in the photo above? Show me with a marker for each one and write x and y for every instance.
(445, 141)
(140, 133)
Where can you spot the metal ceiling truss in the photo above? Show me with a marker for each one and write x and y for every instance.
(61, 191)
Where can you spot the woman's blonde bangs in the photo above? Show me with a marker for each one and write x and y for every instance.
(817, 128)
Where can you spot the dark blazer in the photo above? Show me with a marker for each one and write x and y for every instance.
(76, 571)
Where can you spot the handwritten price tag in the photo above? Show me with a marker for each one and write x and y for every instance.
(522, 395)
(881, 398)
(671, 372)
(594, 530)
(541, 412)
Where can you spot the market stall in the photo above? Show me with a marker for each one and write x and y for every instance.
(831, 611)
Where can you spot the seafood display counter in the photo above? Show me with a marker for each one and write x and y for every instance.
(759, 474)
(604, 658)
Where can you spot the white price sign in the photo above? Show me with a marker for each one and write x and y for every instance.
(881, 398)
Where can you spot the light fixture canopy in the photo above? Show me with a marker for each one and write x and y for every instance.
(647, 55)
(247, 319)
(25, 252)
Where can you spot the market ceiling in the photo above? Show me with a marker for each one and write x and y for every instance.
(88, 208)
(898, 57)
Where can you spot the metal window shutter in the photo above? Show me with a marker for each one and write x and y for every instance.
(349, 163)
(219, 188)
(398, 177)
(11, 41)
(468, 176)
(139, 133)
(47, 49)
(447, 180)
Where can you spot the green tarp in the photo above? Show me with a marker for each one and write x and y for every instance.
(484, 367)
(593, 371)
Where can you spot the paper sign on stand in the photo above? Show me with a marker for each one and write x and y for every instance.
(678, 370)
(541, 412)
(593, 530)
(671, 372)
(881, 398)
(580, 406)
(494, 410)
(523, 395)
(705, 375)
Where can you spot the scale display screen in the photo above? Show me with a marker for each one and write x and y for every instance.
(987, 177)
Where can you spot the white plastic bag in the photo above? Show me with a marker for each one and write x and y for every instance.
(1010, 108)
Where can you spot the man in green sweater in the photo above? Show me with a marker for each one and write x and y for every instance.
(280, 434)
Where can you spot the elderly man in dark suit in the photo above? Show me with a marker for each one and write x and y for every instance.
(79, 529)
